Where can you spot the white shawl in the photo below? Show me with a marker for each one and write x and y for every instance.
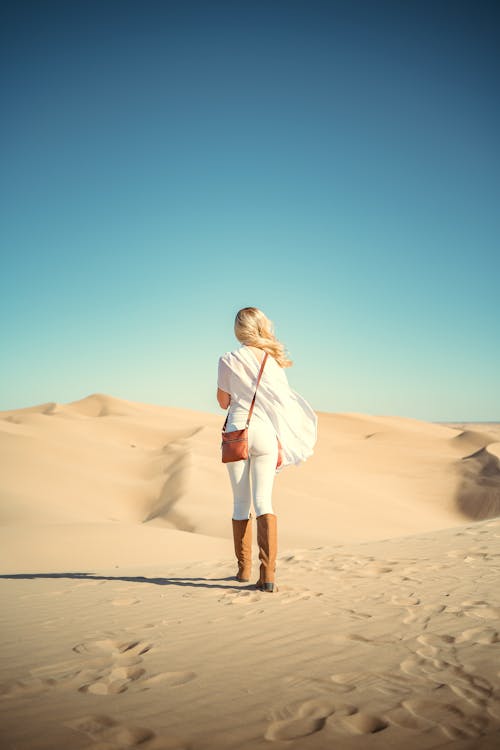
(292, 417)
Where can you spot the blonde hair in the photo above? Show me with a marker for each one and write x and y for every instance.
(254, 328)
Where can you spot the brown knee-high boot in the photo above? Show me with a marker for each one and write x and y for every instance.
(242, 535)
(267, 539)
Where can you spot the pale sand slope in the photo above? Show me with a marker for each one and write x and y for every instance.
(104, 481)
(390, 644)
(145, 638)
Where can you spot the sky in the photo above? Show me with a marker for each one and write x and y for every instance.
(335, 164)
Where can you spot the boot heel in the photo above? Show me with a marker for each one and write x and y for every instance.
(269, 587)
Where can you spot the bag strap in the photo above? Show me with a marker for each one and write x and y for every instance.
(254, 395)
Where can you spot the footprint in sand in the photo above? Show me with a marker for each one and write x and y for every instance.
(346, 637)
(400, 717)
(384, 682)
(432, 643)
(116, 681)
(26, 688)
(96, 675)
(245, 596)
(423, 614)
(128, 736)
(289, 594)
(113, 647)
(420, 667)
(357, 614)
(483, 635)
(113, 665)
(168, 679)
(251, 612)
(359, 723)
(291, 729)
(59, 675)
(104, 728)
(449, 672)
(304, 718)
(484, 612)
(405, 601)
(124, 602)
(436, 641)
(453, 722)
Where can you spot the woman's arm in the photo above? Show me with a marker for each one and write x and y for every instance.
(223, 398)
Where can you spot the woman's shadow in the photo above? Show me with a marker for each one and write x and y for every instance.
(206, 583)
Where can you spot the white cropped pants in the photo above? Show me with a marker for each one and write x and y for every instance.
(253, 479)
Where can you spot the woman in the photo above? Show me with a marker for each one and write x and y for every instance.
(279, 414)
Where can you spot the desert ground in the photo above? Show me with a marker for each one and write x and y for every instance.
(122, 623)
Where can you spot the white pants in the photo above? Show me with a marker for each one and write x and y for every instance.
(253, 479)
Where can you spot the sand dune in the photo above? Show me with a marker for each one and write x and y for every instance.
(122, 624)
(112, 461)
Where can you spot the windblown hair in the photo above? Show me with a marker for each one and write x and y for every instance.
(253, 328)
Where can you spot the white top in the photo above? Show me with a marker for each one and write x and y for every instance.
(292, 417)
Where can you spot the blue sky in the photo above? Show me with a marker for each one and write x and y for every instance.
(333, 163)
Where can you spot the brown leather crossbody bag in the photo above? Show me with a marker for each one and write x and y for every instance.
(235, 444)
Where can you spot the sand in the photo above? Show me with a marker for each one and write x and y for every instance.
(122, 624)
